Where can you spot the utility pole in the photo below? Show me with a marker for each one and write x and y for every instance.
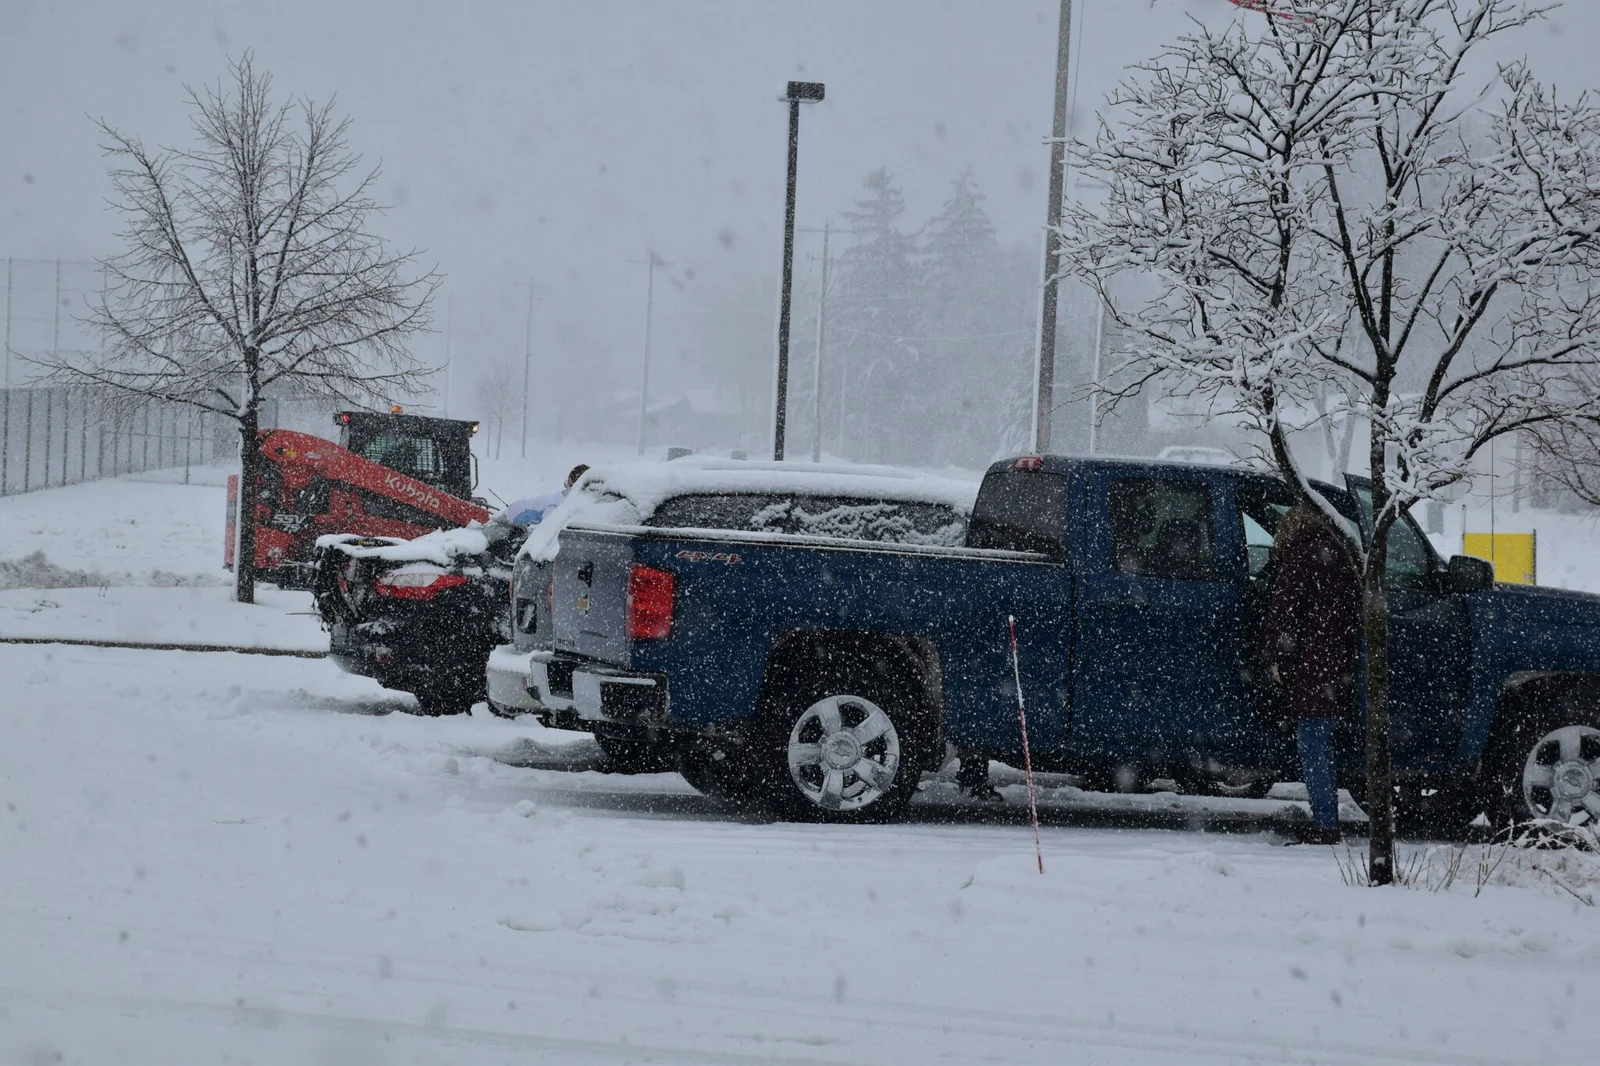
(1046, 381)
(449, 355)
(816, 368)
(8, 323)
(527, 365)
(650, 261)
(5, 396)
(1094, 395)
(798, 92)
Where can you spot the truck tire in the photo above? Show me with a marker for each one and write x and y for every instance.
(842, 746)
(1553, 770)
(634, 756)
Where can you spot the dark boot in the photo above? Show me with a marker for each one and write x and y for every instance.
(972, 777)
(1316, 834)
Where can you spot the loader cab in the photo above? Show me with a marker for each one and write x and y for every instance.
(435, 451)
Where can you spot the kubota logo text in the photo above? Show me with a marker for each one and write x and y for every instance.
(412, 491)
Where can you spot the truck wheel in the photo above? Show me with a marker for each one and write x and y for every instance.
(1559, 776)
(1543, 760)
(634, 756)
(845, 752)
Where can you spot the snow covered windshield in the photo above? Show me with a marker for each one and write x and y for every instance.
(889, 521)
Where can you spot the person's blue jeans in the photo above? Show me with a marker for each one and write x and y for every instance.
(1316, 766)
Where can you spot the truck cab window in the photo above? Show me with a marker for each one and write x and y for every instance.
(1021, 511)
(1257, 546)
(1260, 510)
(1411, 559)
(1162, 528)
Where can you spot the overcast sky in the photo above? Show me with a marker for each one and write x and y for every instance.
(560, 140)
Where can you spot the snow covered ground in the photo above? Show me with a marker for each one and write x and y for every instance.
(231, 858)
(226, 858)
(136, 559)
(142, 530)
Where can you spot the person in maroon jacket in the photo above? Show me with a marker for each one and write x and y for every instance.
(1310, 648)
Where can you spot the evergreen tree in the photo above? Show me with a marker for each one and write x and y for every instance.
(973, 316)
(875, 315)
(960, 240)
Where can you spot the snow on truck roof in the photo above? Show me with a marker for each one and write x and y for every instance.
(629, 493)
(648, 484)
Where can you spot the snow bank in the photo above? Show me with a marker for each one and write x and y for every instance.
(36, 571)
(207, 616)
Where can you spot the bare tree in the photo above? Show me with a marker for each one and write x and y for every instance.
(1318, 210)
(250, 265)
(498, 394)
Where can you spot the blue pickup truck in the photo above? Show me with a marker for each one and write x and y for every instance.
(822, 676)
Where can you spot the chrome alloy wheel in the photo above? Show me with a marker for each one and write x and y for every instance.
(844, 753)
(1561, 778)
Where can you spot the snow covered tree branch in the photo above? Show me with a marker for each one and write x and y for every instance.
(249, 266)
(1330, 206)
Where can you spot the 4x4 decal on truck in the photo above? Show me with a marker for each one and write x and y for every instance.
(729, 558)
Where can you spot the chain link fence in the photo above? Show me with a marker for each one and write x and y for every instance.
(51, 437)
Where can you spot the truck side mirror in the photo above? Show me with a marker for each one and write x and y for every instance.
(1466, 573)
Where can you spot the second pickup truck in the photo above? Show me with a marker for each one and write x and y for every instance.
(823, 676)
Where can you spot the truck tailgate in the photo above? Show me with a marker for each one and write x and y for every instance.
(590, 595)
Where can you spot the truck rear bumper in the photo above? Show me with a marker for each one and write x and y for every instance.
(597, 693)
(508, 679)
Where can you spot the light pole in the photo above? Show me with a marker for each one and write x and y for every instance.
(798, 92)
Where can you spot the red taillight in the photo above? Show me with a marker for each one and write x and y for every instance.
(649, 603)
(403, 585)
(1028, 462)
